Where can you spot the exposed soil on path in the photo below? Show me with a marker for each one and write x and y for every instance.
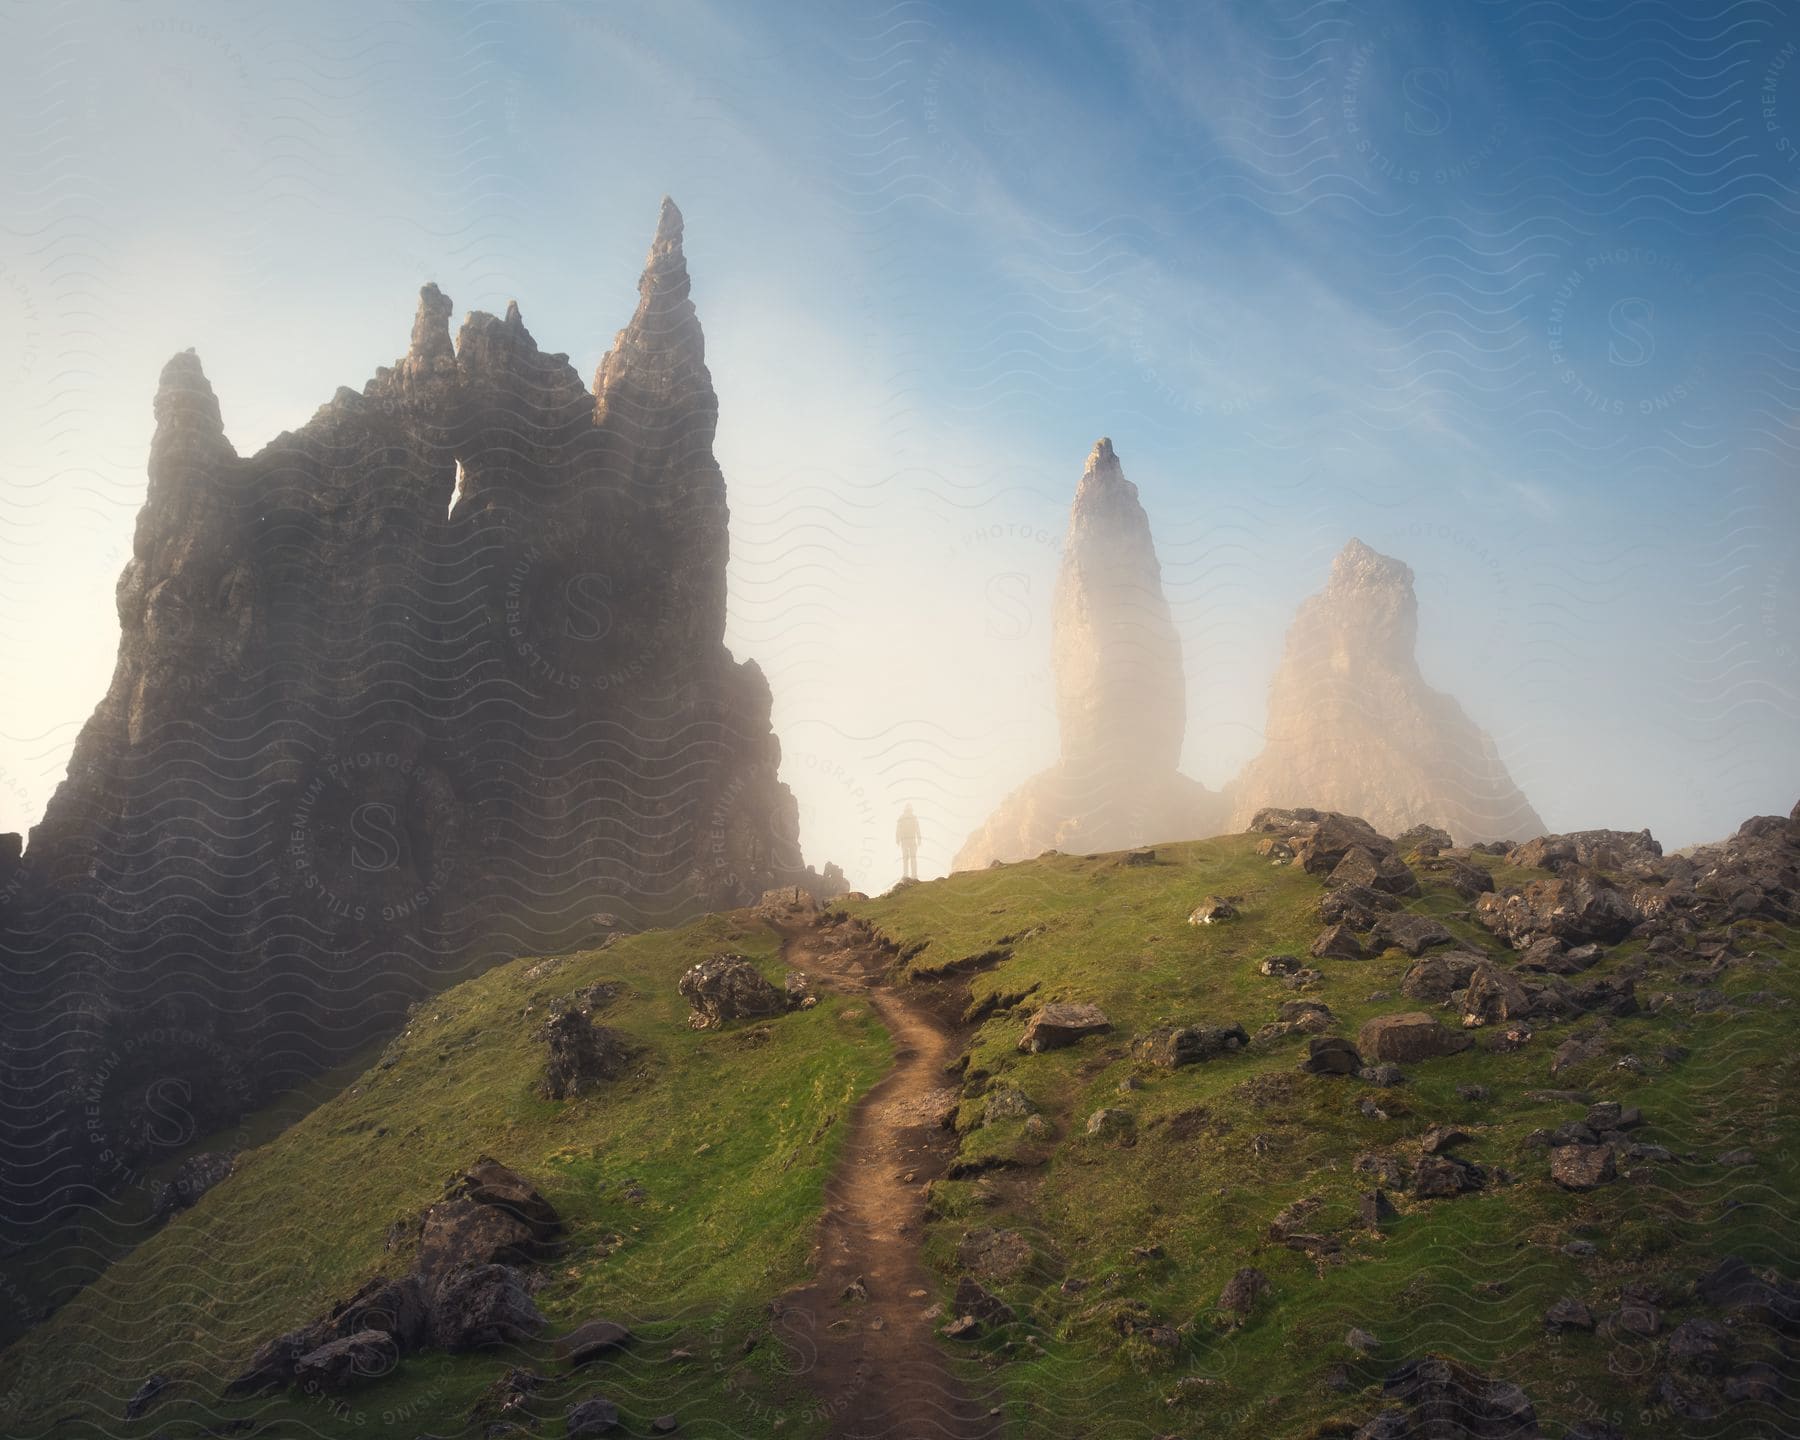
(876, 1362)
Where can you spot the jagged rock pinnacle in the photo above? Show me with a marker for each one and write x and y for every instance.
(185, 396)
(1354, 727)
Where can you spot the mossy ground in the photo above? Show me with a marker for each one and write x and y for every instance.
(1222, 1147)
(730, 1136)
(689, 1189)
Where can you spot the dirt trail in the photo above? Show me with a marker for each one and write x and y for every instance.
(876, 1364)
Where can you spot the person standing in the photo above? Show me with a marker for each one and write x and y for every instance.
(907, 833)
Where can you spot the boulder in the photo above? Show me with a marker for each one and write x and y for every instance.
(1446, 1398)
(1408, 1037)
(1243, 1290)
(1578, 906)
(273, 1364)
(1006, 1102)
(726, 988)
(399, 1307)
(1357, 906)
(1699, 1347)
(1582, 1167)
(193, 1177)
(1330, 1055)
(590, 1340)
(1422, 840)
(491, 1214)
(481, 1306)
(1494, 996)
(1414, 934)
(1568, 1313)
(1337, 942)
(1387, 873)
(145, 1396)
(1438, 1177)
(1172, 1046)
(1279, 965)
(583, 1055)
(1594, 849)
(1212, 910)
(1111, 1123)
(988, 1308)
(338, 1364)
(594, 1416)
(1062, 1023)
(1437, 977)
(1467, 879)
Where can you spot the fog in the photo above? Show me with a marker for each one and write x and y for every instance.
(1572, 419)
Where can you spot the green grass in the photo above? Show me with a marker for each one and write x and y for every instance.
(731, 1135)
(728, 1135)
(1469, 1276)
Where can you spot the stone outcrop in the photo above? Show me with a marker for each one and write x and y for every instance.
(1354, 727)
(1121, 696)
(429, 682)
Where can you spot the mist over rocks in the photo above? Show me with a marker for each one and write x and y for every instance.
(1121, 696)
(361, 740)
(1353, 726)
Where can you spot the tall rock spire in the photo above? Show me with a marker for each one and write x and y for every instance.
(1120, 695)
(1120, 689)
(656, 412)
(1354, 727)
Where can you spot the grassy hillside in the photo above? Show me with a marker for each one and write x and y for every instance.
(691, 1186)
(1152, 1231)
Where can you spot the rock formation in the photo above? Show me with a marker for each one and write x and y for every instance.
(1121, 700)
(1354, 727)
(363, 738)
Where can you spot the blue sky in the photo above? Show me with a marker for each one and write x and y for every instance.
(1510, 290)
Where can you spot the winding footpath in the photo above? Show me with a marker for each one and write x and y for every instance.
(864, 1331)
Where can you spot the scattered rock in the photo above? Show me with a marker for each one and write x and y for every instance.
(1362, 1342)
(1337, 942)
(1578, 906)
(490, 1214)
(145, 1395)
(1408, 1037)
(1006, 1102)
(1375, 1209)
(1172, 1046)
(583, 1055)
(1582, 1167)
(1242, 1291)
(1414, 934)
(1111, 1123)
(338, 1364)
(193, 1177)
(1437, 977)
(964, 1327)
(1279, 965)
(1568, 1314)
(1700, 1346)
(481, 1306)
(1447, 1398)
(988, 1308)
(726, 988)
(1330, 1055)
(1212, 910)
(1062, 1023)
(1438, 1177)
(596, 1416)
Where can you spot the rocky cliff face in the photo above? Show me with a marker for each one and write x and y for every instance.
(1354, 727)
(360, 740)
(1120, 696)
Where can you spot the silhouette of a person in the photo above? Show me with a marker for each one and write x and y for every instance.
(907, 833)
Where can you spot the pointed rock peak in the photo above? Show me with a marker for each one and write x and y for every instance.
(668, 227)
(514, 320)
(1357, 566)
(663, 346)
(1102, 461)
(184, 393)
(431, 325)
